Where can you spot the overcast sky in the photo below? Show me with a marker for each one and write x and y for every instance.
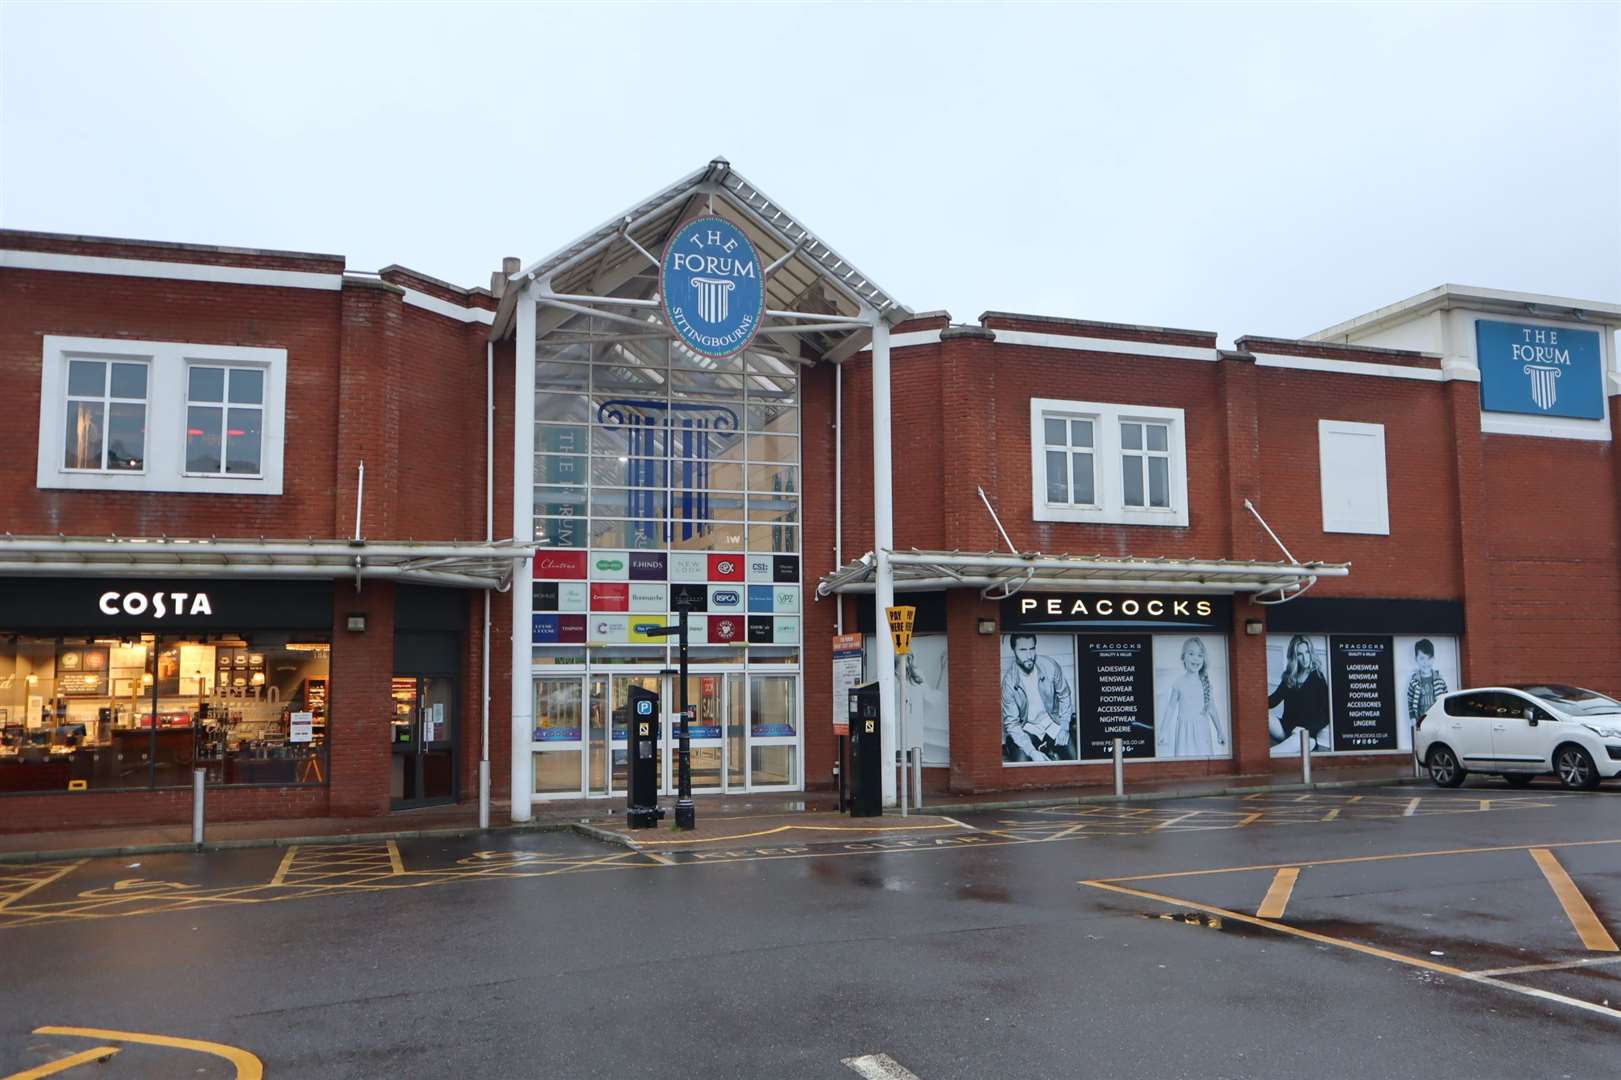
(1245, 169)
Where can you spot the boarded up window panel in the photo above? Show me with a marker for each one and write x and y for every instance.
(1354, 484)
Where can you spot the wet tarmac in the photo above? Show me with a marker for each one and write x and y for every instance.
(1403, 939)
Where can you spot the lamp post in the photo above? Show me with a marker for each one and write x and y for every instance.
(686, 815)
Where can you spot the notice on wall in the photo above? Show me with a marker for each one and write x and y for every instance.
(1363, 680)
(1116, 695)
(301, 727)
(846, 677)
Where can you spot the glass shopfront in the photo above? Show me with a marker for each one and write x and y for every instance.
(145, 689)
(665, 481)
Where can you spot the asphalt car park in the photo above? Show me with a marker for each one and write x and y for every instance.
(1345, 933)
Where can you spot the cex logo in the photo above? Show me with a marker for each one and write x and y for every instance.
(726, 566)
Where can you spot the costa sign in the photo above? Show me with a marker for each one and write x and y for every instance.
(712, 287)
(1109, 611)
(155, 604)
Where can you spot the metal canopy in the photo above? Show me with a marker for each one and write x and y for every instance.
(616, 262)
(475, 565)
(1003, 574)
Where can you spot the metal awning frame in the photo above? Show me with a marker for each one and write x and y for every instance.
(469, 565)
(1000, 574)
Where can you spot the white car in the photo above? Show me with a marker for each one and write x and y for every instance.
(1521, 732)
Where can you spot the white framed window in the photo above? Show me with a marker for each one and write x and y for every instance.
(1355, 493)
(105, 415)
(120, 415)
(1108, 463)
(225, 409)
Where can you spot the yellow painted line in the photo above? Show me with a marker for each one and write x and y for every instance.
(51, 1068)
(286, 865)
(1567, 965)
(1357, 946)
(248, 1067)
(1277, 896)
(1412, 807)
(12, 898)
(806, 828)
(1355, 799)
(394, 861)
(1361, 859)
(1577, 909)
(1178, 819)
(1250, 819)
(662, 860)
(1332, 814)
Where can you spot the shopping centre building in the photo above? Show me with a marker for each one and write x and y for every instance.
(342, 540)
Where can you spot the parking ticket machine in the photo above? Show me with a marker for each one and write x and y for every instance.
(866, 753)
(643, 811)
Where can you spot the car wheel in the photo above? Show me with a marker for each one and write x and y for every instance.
(1575, 768)
(1444, 767)
(1519, 779)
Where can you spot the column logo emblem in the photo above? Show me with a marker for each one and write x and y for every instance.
(712, 287)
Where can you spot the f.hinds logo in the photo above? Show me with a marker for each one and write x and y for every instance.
(158, 604)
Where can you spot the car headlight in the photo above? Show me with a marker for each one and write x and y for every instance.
(1604, 732)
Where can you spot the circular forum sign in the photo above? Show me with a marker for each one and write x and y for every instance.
(713, 287)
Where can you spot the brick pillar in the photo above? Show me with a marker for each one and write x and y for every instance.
(1463, 406)
(360, 709)
(1246, 540)
(975, 689)
(968, 437)
(369, 420)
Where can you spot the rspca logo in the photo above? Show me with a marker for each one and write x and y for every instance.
(712, 286)
(726, 598)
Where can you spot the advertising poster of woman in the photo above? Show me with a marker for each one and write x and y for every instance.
(1190, 700)
(925, 697)
(1297, 673)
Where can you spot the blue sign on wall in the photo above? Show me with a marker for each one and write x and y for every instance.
(713, 287)
(1540, 370)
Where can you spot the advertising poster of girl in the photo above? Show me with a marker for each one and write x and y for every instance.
(1190, 677)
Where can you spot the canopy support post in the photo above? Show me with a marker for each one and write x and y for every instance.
(883, 523)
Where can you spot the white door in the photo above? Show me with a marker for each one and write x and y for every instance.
(1521, 741)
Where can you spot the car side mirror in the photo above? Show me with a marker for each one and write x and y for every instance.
(1531, 717)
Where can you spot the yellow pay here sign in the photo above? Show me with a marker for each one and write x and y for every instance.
(901, 618)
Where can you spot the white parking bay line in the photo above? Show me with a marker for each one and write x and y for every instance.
(879, 1067)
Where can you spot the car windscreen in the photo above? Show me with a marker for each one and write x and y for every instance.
(1573, 699)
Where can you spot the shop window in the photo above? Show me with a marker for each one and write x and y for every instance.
(1108, 463)
(1355, 498)
(144, 711)
(161, 416)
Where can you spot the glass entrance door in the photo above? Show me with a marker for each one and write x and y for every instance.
(423, 741)
(707, 697)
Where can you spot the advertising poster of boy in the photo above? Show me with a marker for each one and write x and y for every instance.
(1426, 685)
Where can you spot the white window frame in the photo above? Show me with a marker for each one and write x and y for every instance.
(106, 400)
(224, 405)
(1109, 485)
(167, 365)
(1069, 450)
(1375, 523)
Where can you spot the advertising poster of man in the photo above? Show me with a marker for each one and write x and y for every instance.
(1297, 675)
(1426, 668)
(1190, 699)
(1038, 698)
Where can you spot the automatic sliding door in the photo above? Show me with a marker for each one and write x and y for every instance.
(559, 735)
(773, 731)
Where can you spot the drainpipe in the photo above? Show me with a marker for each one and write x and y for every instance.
(489, 537)
(838, 492)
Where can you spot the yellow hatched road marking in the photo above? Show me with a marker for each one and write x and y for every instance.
(51, 1068)
(394, 861)
(1332, 814)
(1277, 896)
(248, 1067)
(1412, 807)
(661, 842)
(286, 864)
(36, 884)
(1577, 909)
